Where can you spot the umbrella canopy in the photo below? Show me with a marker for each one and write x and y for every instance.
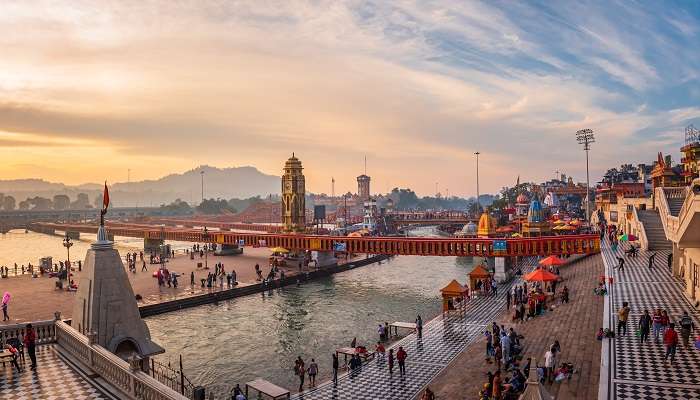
(575, 222)
(516, 235)
(6, 298)
(564, 228)
(559, 222)
(540, 275)
(632, 238)
(504, 229)
(551, 261)
(279, 250)
(623, 238)
(355, 234)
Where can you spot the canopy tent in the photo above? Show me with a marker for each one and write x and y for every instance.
(534, 391)
(479, 272)
(279, 250)
(551, 261)
(355, 234)
(504, 229)
(453, 293)
(540, 275)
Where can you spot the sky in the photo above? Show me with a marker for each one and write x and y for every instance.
(100, 90)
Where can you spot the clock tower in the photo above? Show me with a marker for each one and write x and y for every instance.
(293, 196)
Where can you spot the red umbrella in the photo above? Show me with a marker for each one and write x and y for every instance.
(551, 261)
(540, 275)
(632, 238)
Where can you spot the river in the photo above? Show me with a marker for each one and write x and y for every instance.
(260, 336)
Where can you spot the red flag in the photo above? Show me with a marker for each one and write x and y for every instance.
(105, 198)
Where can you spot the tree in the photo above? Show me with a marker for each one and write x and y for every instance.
(61, 202)
(177, 207)
(40, 203)
(24, 205)
(8, 203)
(215, 206)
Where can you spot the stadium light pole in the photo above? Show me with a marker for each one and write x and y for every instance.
(585, 137)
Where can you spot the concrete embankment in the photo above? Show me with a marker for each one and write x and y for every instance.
(213, 297)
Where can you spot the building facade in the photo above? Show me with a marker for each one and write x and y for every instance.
(363, 187)
(293, 196)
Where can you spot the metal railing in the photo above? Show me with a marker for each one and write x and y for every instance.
(172, 378)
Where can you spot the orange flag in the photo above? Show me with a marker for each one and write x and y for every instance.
(105, 198)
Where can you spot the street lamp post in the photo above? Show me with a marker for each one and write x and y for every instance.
(67, 243)
(478, 202)
(585, 137)
(205, 238)
(202, 173)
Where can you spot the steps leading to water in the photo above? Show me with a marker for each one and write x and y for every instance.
(654, 229)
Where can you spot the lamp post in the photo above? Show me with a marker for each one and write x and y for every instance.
(205, 238)
(585, 137)
(67, 243)
(478, 202)
(202, 173)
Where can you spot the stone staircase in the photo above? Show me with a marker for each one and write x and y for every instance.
(654, 229)
(675, 205)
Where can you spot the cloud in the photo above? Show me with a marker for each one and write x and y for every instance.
(417, 86)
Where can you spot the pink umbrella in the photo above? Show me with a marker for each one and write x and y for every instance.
(6, 298)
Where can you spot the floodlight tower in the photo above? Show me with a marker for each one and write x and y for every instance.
(585, 137)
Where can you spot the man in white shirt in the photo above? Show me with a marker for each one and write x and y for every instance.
(549, 361)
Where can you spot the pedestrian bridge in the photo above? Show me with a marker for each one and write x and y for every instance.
(460, 247)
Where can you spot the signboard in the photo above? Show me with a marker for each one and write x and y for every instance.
(499, 245)
(319, 213)
(340, 246)
(315, 244)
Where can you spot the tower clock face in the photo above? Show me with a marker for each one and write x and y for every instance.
(288, 186)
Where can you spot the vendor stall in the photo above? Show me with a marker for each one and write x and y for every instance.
(454, 297)
(478, 279)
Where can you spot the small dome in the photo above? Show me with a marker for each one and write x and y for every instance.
(522, 199)
(469, 228)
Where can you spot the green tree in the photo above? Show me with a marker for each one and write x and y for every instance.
(215, 206)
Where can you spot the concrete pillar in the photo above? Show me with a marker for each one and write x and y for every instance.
(503, 268)
(75, 235)
(152, 244)
(325, 259)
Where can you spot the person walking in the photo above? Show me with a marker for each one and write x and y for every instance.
(669, 261)
(656, 324)
(313, 370)
(645, 322)
(565, 295)
(30, 344)
(686, 324)
(401, 358)
(509, 298)
(671, 342)
(301, 372)
(5, 304)
(622, 315)
(419, 326)
(651, 260)
(390, 361)
(489, 346)
(549, 361)
(335, 369)
(620, 264)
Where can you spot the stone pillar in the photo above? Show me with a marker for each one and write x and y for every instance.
(152, 244)
(326, 259)
(503, 269)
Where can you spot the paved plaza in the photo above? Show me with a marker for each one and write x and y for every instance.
(442, 341)
(574, 325)
(35, 299)
(638, 371)
(53, 379)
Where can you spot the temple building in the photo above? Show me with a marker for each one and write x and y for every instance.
(691, 155)
(293, 196)
(487, 225)
(536, 224)
(522, 203)
(663, 174)
(468, 231)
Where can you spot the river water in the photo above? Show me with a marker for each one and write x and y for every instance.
(260, 336)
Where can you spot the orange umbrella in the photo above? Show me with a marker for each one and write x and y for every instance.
(551, 261)
(540, 275)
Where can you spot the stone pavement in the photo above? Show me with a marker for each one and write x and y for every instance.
(574, 325)
(443, 339)
(35, 299)
(53, 379)
(638, 371)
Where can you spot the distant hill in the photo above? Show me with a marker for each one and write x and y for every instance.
(225, 183)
